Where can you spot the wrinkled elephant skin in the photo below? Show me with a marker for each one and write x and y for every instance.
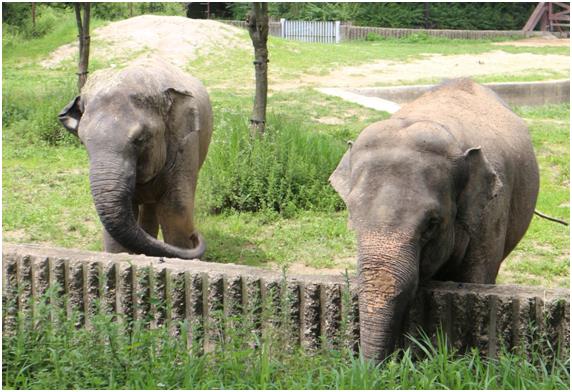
(146, 129)
(443, 190)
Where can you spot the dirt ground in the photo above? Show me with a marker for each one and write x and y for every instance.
(175, 38)
(129, 39)
(434, 66)
(548, 40)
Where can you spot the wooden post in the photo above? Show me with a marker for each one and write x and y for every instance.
(257, 22)
(83, 36)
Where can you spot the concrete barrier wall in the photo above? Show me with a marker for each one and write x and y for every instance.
(317, 306)
(515, 94)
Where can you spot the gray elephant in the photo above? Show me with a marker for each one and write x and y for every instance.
(147, 130)
(442, 190)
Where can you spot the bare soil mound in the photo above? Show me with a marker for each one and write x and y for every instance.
(175, 38)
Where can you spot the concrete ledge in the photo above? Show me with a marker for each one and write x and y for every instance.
(484, 316)
(389, 99)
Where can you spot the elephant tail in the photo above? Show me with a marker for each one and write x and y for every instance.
(550, 218)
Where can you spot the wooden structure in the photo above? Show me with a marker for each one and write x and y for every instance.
(553, 17)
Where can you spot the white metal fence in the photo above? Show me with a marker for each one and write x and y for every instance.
(311, 31)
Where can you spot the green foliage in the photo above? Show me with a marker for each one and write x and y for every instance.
(18, 25)
(48, 351)
(314, 11)
(467, 16)
(30, 107)
(285, 170)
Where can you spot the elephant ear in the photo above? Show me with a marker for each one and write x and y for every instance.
(71, 114)
(340, 178)
(483, 185)
(183, 112)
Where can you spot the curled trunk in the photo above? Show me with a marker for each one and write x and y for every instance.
(112, 188)
(388, 277)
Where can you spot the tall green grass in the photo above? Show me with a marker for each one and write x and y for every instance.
(284, 170)
(50, 352)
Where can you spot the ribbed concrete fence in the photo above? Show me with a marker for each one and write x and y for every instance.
(134, 287)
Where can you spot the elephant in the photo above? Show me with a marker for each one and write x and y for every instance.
(442, 190)
(147, 129)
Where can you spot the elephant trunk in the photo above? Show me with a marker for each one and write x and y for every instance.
(388, 278)
(112, 188)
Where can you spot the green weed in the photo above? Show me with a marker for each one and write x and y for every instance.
(48, 351)
(285, 170)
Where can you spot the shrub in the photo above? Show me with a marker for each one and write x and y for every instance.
(285, 170)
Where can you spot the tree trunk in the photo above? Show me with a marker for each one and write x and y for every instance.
(34, 18)
(257, 20)
(83, 35)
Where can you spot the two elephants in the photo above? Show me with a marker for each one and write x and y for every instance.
(444, 189)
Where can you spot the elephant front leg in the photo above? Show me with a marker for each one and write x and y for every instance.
(112, 246)
(176, 220)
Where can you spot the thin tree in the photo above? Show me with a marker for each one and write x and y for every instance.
(257, 21)
(33, 17)
(83, 35)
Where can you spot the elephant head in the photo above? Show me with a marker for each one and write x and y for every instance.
(412, 192)
(133, 128)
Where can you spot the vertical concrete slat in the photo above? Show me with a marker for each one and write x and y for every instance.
(290, 308)
(252, 303)
(135, 293)
(9, 292)
(33, 289)
(160, 290)
(118, 310)
(24, 286)
(176, 292)
(310, 315)
(233, 296)
(330, 313)
(460, 319)
(505, 323)
(151, 299)
(215, 306)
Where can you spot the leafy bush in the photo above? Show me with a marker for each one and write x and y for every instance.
(285, 170)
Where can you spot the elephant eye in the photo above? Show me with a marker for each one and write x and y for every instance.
(431, 227)
(141, 138)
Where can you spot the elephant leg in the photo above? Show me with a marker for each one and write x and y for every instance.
(148, 219)
(109, 243)
(112, 246)
(175, 215)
